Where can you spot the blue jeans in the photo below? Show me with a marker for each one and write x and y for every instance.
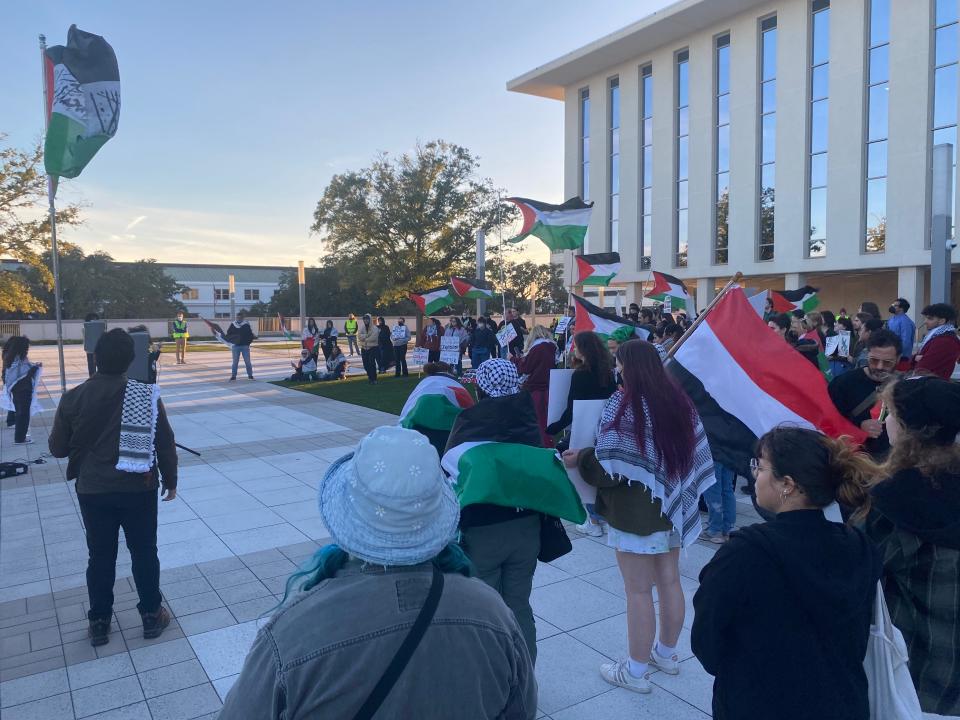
(721, 503)
(478, 356)
(237, 351)
(352, 343)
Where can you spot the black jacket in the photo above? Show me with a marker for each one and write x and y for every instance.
(782, 618)
(242, 335)
(87, 430)
(508, 419)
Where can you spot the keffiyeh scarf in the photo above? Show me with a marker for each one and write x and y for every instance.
(619, 454)
(949, 328)
(18, 370)
(138, 425)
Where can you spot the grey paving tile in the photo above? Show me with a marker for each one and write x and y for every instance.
(586, 556)
(13, 608)
(78, 651)
(253, 609)
(137, 711)
(221, 652)
(100, 670)
(57, 706)
(106, 696)
(48, 637)
(172, 575)
(33, 687)
(185, 588)
(574, 603)
(171, 678)
(231, 578)
(185, 704)
(20, 644)
(30, 657)
(693, 684)
(162, 654)
(619, 704)
(214, 567)
(207, 620)
(560, 659)
(239, 593)
(31, 668)
(195, 603)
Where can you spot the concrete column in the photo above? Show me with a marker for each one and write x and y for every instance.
(793, 281)
(706, 291)
(911, 285)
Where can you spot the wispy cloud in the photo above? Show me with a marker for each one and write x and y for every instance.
(136, 221)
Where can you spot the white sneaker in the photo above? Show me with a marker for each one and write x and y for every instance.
(590, 528)
(28, 441)
(669, 665)
(618, 673)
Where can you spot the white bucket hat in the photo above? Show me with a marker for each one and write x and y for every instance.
(388, 502)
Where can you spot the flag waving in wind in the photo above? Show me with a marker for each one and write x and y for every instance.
(471, 289)
(605, 323)
(431, 301)
(217, 331)
(665, 286)
(597, 269)
(804, 298)
(283, 327)
(561, 227)
(83, 101)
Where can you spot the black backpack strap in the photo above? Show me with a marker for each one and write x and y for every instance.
(407, 648)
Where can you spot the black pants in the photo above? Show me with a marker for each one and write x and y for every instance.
(385, 357)
(91, 365)
(19, 419)
(433, 355)
(400, 358)
(369, 357)
(103, 516)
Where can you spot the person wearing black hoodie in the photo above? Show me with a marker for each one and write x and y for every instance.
(502, 542)
(783, 612)
(916, 523)
(239, 334)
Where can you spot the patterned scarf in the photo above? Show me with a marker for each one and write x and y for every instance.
(619, 454)
(138, 425)
(939, 330)
(18, 370)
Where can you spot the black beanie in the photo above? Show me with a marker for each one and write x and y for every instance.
(931, 404)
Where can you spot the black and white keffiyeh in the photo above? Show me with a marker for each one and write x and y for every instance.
(619, 454)
(498, 377)
(138, 425)
(946, 329)
(19, 371)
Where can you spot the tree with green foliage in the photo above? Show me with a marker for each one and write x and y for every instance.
(25, 226)
(405, 224)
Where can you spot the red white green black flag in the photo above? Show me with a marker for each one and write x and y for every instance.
(665, 286)
(431, 301)
(83, 101)
(471, 289)
(804, 298)
(561, 227)
(597, 269)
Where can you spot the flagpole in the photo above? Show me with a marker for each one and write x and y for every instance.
(51, 195)
(735, 280)
(503, 282)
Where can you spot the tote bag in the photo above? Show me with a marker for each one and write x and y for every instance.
(890, 687)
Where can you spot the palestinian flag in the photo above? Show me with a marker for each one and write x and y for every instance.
(83, 101)
(561, 227)
(435, 403)
(604, 323)
(283, 327)
(494, 457)
(597, 269)
(745, 380)
(432, 301)
(471, 289)
(217, 331)
(805, 298)
(665, 286)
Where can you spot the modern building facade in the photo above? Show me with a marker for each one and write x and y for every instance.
(789, 140)
(208, 286)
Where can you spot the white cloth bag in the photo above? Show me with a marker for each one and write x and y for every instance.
(890, 687)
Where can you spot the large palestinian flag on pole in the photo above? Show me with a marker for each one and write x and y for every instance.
(605, 323)
(432, 301)
(665, 286)
(561, 227)
(472, 289)
(83, 101)
(435, 403)
(597, 269)
(745, 380)
(804, 298)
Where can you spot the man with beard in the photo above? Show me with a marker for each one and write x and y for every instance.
(856, 393)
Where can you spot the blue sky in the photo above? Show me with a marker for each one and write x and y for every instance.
(236, 114)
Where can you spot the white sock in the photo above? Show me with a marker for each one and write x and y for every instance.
(637, 669)
(665, 650)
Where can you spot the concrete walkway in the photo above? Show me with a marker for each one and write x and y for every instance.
(245, 516)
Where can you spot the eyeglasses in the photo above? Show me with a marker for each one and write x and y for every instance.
(756, 467)
(880, 362)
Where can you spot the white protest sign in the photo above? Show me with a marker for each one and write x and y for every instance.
(451, 357)
(583, 433)
(419, 356)
(450, 343)
(668, 304)
(562, 325)
(558, 394)
(399, 332)
(508, 333)
(832, 344)
(844, 348)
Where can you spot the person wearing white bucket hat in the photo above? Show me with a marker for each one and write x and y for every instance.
(387, 618)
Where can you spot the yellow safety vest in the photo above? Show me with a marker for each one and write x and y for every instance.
(180, 329)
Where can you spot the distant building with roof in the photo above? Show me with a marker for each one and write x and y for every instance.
(208, 286)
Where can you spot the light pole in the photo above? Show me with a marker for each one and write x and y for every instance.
(233, 303)
(302, 280)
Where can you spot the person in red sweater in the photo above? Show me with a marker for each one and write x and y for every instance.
(939, 351)
(539, 358)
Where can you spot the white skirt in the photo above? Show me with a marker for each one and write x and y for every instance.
(656, 543)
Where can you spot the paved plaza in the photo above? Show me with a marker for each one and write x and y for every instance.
(245, 516)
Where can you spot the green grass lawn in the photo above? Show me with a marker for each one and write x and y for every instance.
(171, 347)
(388, 395)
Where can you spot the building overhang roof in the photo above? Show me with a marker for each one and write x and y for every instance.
(668, 25)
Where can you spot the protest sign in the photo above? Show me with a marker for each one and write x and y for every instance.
(419, 356)
(558, 394)
(508, 333)
(583, 433)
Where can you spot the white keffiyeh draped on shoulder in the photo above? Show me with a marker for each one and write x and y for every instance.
(19, 371)
(619, 454)
(138, 426)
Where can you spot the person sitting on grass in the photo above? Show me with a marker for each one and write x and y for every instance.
(306, 369)
(336, 365)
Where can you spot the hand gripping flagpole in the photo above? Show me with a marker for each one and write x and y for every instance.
(733, 282)
(51, 195)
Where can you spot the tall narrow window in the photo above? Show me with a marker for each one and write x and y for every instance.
(819, 113)
(680, 238)
(768, 138)
(721, 158)
(646, 167)
(585, 143)
(614, 164)
(875, 208)
(945, 80)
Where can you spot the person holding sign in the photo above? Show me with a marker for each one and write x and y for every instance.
(400, 335)
(651, 454)
(429, 339)
(448, 347)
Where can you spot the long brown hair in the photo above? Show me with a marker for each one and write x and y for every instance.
(655, 397)
(594, 357)
(15, 347)
(918, 448)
